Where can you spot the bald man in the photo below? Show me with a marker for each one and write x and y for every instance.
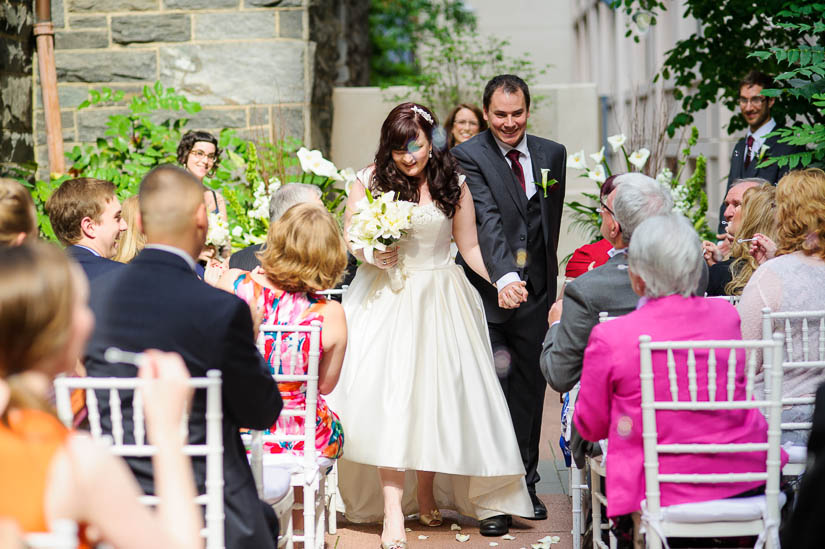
(158, 302)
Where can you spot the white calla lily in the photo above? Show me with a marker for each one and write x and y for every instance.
(616, 141)
(577, 161)
(597, 174)
(598, 157)
(639, 158)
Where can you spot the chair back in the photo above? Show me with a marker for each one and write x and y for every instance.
(292, 339)
(683, 396)
(135, 445)
(335, 293)
(732, 299)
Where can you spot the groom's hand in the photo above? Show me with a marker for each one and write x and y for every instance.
(512, 295)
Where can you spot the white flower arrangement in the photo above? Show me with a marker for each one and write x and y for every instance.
(314, 162)
(218, 233)
(379, 222)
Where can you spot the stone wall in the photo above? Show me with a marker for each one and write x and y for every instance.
(16, 45)
(254, 65)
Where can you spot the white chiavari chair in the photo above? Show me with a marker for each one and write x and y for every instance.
(576, 478)
(732, 299)
(136, 445)
(63, 535)
(758, 515)
(305, 471)
(804, 353)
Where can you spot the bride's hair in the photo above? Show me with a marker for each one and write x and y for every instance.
(399, 130)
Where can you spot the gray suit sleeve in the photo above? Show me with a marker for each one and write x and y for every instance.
(563, 350)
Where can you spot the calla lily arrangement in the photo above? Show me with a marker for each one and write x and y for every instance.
(689, 197)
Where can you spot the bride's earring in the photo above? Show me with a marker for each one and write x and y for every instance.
(431, 154)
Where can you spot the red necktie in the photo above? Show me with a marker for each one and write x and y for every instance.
(512, 156)
(748, 149)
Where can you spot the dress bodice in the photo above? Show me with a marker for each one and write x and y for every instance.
(427, 245)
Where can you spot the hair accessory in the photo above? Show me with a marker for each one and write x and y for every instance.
(424, 114)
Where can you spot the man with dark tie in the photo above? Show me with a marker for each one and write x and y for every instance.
(756, 147)
(518, 224)
(85, 217)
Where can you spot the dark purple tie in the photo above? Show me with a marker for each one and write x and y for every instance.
(748, 149)
(512, 156)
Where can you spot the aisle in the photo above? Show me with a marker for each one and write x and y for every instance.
(552, 489)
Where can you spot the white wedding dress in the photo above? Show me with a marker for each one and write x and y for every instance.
(418, 390)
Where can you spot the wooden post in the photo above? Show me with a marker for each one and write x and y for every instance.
(44, 33)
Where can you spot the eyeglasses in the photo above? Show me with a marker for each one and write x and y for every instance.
(471, 123)
(603, 208)
(200, 155)
(757, 101)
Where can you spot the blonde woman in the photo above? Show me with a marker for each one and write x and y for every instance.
(49, 473)
(132, 240)
(18, 218)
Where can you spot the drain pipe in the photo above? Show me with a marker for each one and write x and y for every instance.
(44, 33)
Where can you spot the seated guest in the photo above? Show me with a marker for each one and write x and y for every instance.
(756, 215)
(665, 272)
(18, 218)
(199, 154)
(793, 281)
(590, 256)
(157, 301)
(49, 473)
(283, 199)
(132, 240)
(719, 252)
(634, 198)
(85, 216)
(304, 253)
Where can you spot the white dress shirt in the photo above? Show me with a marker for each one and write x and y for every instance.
(758, 138)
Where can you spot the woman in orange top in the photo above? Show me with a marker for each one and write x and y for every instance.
(49, 473)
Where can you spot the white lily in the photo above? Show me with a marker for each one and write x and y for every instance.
(348, 174)
(616, 141)
(639, 158)
(598, 157)
(314, 162)
(597, 174)
(577, 161)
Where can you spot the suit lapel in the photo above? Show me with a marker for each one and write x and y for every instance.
(505, 174)
(539, 161)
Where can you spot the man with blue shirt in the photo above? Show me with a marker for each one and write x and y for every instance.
(85, 216)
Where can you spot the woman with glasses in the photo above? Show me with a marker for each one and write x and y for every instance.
(464, 122)
(198, 152)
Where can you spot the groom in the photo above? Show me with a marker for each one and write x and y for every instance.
(518, 230)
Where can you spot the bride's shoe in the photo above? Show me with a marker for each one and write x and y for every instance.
(397, 544)
(432, 519)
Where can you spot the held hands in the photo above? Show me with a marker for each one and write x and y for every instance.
(387, 259)
(512, 295)
(762, 248)
(165, 394)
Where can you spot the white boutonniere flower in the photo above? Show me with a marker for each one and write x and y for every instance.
(762, 152)
(545, 182)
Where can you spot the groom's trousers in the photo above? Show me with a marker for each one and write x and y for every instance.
(517, 347)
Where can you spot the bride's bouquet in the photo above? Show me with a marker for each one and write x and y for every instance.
(379, 222)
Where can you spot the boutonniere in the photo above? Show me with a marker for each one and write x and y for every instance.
(762, 152)
(545, 182)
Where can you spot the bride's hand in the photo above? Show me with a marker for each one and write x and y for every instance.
(387, 259)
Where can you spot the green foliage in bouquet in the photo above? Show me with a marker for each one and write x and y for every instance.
(148, 135)
(689, 197)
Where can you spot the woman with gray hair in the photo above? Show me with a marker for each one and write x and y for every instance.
(665, 265)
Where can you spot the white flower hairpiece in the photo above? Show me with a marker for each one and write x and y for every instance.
(424, 114)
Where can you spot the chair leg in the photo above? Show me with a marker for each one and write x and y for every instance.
(309, 516)
(332, 498)
(576, 493)
(596, 508)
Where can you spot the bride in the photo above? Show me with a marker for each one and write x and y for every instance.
(419, 399)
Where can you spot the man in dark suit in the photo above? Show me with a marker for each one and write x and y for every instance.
(85, 216)
(755, 147)
(518, 231)
(158, 302)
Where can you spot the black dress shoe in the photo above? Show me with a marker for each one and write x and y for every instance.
(539, 510)
(495, 526)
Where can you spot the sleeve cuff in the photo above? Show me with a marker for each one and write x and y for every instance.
(508, 278)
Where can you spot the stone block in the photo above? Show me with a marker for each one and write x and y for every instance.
(218, 119)
(91, 123)
(58, 14)
(191, 5)
(14, 58)
(16, 102)
(291, 24)
(240, 25)
(273, 3)
(66, 126)
(287, 122)
(110, 66)
(72, 95)
(16, 17)
(259, 116)
(130, 29)
(247, 72)
(87, 22)
(109, 6)
(17, 147)
(81, 40)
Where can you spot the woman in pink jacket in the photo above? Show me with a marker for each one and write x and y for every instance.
(665, 259)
